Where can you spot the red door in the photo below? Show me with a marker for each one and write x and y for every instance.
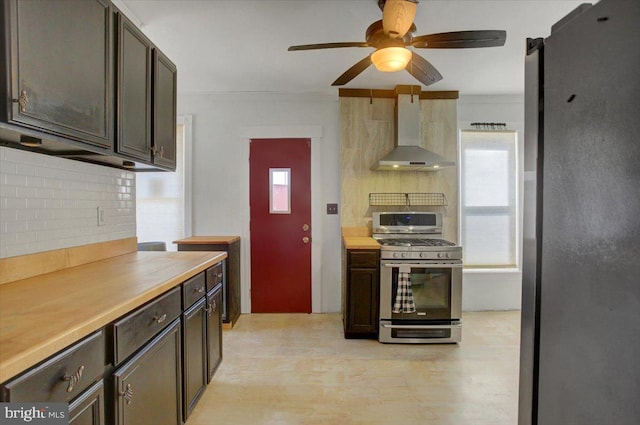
(280, 200)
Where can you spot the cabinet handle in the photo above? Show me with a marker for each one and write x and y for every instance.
(211, 308)
(220, 275)
(73, 379)
(161, 155)
(22, 101)
(127, 394)
(199, 290)
(160, 319)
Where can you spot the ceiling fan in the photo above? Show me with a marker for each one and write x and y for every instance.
(394, 33)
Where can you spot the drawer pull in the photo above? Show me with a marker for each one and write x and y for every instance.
(220, 275)
(199, 290)
(160, 319)
(127, 394)
(73, 379)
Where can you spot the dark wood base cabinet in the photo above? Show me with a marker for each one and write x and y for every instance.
(231, 292)
(88, 409)
(214, 331)
(149, 386)
(361, 292)
(194, 349)
(151, 366)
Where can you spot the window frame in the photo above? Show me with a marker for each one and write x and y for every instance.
(511, 210)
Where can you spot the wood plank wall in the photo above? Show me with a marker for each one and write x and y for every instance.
(366, 135)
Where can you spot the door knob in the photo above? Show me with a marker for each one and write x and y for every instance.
(305, 239)
(305, 227)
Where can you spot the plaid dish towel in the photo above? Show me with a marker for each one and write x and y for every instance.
(404, 296)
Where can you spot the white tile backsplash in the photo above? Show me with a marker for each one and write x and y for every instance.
(51, 203)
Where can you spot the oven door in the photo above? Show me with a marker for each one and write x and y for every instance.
(436, 288)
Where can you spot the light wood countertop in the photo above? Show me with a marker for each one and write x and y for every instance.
(205, 240)
(360, 242)
(41, 315)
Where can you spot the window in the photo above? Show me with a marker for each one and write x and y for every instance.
(279, 191)
(162, 198)
(488, 212)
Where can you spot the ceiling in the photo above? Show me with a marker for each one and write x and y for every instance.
(241, 45)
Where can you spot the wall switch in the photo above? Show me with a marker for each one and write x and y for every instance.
(332, 208)
(101, 219)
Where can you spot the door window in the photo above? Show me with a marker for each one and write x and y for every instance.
(280, 190)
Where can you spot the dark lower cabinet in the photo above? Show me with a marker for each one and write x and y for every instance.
(194, 349)
(214, 331)
(149, 386)
(88, 409)
(231, 293)
(361, 294)
(60, 68)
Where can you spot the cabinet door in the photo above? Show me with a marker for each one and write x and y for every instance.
(164, 115)
(88, 409)
(61, 77)
(194, 348)
(149, 386)
(214, 330)
(362, 307)
(133, 136)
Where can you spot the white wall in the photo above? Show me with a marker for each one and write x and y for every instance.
(222, 127)
(51, 203)
(495, 289)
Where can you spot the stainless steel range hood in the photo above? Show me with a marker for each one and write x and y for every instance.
(407, 154)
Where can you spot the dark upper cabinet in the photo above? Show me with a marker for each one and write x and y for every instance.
(165, 110)
(60, 68)
(133, 78)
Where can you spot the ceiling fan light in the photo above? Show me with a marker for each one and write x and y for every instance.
(391, 59)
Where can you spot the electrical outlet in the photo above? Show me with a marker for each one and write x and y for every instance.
(332, 208)
(101, 218)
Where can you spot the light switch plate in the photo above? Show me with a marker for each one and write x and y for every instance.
(332, 208)
(101, 219)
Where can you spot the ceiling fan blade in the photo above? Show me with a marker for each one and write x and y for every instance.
(353, 72)
(328, 45)
(460, 40)
(422, 70)
(397, 17)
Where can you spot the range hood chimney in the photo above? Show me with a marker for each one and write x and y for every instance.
(407, 154)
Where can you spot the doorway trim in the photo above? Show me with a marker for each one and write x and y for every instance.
(314, 133)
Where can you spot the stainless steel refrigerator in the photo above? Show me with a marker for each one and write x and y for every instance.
(580, 339)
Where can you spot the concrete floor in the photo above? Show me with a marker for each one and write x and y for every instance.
(298, 369)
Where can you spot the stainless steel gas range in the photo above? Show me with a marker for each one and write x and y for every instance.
(420, 279)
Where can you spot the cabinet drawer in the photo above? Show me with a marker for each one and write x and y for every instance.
(367, 259)
(214, 275)
(192, 290)
(62, 377)
(130, 332)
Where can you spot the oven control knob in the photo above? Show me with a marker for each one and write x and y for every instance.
(404, 254)
(439, 255)
(396, 254)
(423, 255)
(448, 255)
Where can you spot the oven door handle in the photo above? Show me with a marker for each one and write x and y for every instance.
(425, 265)
(385, 325)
